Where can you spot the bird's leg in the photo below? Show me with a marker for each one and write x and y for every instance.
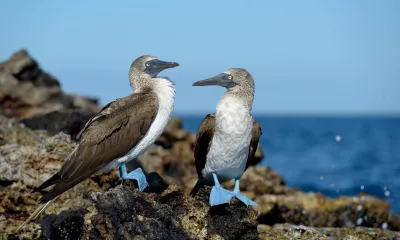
(218, 194)
(136, 174)
(244, 199)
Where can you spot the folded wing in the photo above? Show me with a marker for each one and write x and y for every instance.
(108, 135)
(255, 137)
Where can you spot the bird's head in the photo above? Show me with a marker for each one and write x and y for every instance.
(235, 80)
(146, 67)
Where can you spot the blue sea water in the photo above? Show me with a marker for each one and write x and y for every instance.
(332, 155)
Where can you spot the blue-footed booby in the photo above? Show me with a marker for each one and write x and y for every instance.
(226, 140)
(120, 132)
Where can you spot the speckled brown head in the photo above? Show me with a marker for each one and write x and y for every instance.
(145, 68)
(236, 80)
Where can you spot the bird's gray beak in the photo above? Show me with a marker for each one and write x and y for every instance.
(219, 80)
(156, 66)
(161, 65)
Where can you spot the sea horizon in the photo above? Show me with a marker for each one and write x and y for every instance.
(334, 155)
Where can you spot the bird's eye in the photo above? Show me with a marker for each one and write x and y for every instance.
(147, 64)
(230, 77)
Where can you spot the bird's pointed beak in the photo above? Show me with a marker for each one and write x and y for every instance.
(156, 66)
(219, 80)
(162, 65)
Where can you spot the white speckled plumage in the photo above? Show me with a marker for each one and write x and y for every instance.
(229, 150)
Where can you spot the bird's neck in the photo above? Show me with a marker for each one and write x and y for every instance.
(162, 87)
(233, 116)
(141, 82)
(233, 102)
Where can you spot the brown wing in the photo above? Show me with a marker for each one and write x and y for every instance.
(201, 147)
(255, 137)
(203, 143)
(108, 135)
(107, 109)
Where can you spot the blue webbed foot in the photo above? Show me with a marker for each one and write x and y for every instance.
(246, 200)
(242, 198)
(218, 194)
(136, 174)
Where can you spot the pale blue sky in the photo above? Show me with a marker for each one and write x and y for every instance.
(309, 56)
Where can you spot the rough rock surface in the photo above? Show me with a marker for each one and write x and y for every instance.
(314, 209)
(288, 231)
(102, 207)
(26, 91)
(169, 215)
(69, 121)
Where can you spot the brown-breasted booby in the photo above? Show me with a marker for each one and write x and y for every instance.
(228, 139)
(120, 132)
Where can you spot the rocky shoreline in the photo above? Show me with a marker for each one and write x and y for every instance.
(38, 125)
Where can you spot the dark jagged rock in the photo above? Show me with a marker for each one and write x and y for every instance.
(28, 91)
(66, 225)
(67, 121)
(156, 183)
(126, 213)
(316, 210)
(288, 231)
(25, 69)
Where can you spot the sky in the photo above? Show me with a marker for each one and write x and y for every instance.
(307, 57)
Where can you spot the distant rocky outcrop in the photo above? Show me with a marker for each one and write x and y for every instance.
(27, 92)
(35, 138)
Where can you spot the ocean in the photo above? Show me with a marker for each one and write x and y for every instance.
(332, 155)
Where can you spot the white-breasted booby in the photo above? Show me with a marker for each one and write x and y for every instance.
(120, 132)
(228, 139)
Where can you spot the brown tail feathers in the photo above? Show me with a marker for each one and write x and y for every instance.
(37, 212)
